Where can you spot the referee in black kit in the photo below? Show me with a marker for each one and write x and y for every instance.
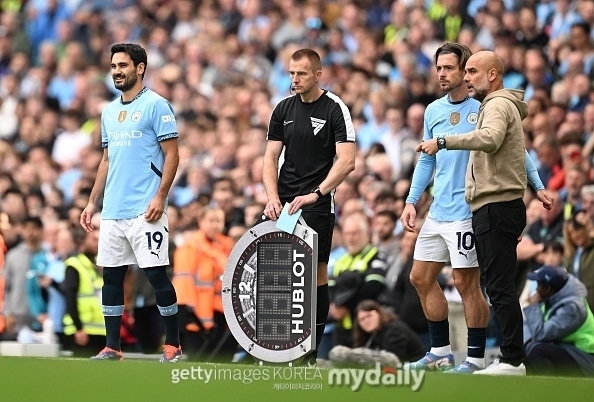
(316, 130)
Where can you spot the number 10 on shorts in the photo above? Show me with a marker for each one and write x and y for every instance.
(465, 240)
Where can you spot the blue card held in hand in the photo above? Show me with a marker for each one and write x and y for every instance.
(287, 222)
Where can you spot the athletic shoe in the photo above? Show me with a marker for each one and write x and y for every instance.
(432, 362)
(171, 354)
(498, 368)
(464, 368)
(108, 354)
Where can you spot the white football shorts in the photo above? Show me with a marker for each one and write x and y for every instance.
(133, 241)
(447, 241)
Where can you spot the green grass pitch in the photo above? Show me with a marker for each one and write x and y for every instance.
(61, 379)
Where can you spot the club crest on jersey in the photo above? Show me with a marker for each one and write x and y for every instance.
(317, 124)
(122, 116)
(472, 118)
(454, 118)
(136, 116)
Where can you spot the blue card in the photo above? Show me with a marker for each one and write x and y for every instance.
(287, 222)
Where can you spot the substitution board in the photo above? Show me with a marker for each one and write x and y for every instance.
(269, 291)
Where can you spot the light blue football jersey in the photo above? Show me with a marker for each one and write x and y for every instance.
(444, 118)
(132, 131)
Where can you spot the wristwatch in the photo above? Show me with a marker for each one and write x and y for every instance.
(441, 142)
(318, 192)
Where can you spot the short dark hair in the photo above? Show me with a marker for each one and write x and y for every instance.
(311, 55)
(553, 246)
(218, 183)
(584, 26)
(388, 214)
(14, 190)
(34, 220)
(575, 222)
(74, 114)
(135, 51)
(462, 52)
(572, 137)
(386, 195)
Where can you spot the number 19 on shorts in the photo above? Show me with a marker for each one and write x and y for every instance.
(154, 239)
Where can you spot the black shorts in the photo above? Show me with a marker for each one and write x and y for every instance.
(323, 224)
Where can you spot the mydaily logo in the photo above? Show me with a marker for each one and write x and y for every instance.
(376, 377)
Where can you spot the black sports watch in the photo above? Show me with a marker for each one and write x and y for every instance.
(318, 192)
(441, 142)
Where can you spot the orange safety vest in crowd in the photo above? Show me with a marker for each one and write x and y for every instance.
(2, 252)
(198, 267)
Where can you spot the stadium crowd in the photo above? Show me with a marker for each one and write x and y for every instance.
(223, 66)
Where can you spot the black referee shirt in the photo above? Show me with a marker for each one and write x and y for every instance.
(309, 132)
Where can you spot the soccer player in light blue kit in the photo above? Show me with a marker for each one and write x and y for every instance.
(140, 159)
(447, 232)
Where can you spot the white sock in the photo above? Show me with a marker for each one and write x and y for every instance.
(477, 361)
(441, 351)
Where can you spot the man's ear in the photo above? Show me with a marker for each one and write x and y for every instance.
(140, 68)
(492, 74)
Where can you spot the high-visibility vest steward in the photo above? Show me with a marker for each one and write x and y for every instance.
(88, 303)
(583, 336)
(369, 261)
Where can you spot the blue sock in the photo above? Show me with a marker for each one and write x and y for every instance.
(166, 302)
(477, 339)
(112, 295)
(323, 300)
(439, 332)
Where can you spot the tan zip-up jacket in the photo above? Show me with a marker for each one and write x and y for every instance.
(496, 170)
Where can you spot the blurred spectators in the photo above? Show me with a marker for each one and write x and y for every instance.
(16, 269)
(223, 66)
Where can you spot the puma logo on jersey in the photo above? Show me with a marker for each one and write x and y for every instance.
(157, 254)
(465, 255)
(317, 124)
(287, 122)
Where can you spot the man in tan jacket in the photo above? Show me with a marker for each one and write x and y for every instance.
(495, 184)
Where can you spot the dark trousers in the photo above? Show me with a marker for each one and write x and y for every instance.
(94, 346)
(497, 227)
(544, 358)
(192, 343)
(343, 337)
(216, 345)
(222, 345)
(148, 328)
